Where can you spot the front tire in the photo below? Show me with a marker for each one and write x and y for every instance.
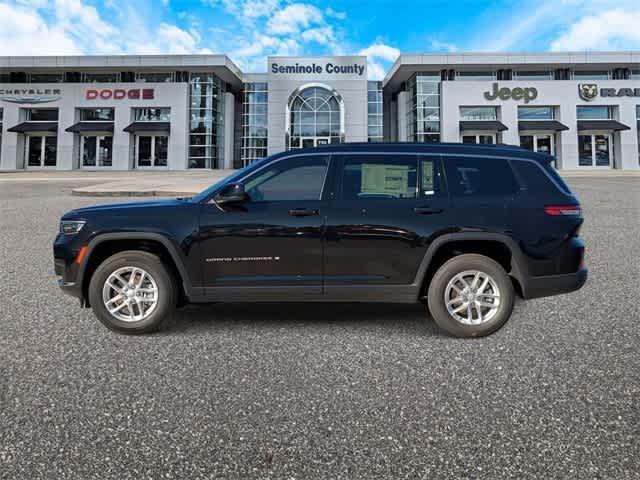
(471, 296)
(132, 292)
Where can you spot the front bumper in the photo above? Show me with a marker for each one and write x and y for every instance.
(548, 285)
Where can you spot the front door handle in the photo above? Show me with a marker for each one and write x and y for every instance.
(427, 210)
(303, 212)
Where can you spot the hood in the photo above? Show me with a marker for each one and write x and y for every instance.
(116, 207)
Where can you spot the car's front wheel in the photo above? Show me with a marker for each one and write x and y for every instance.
(471, 296)
(132, 292)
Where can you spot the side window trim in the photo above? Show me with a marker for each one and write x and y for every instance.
(439, 172)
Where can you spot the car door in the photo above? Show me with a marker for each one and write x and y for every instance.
(385, 210)
(273, 240)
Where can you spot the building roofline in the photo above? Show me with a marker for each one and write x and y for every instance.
(443, 60)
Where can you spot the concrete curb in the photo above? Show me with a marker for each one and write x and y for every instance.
(149, 193)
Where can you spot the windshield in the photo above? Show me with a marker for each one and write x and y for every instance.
(231, 178)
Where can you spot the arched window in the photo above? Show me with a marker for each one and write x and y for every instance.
(315, 117)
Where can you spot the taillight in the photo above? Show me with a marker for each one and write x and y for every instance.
(566, 210)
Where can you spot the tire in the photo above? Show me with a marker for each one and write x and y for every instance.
(125, 265)
(493, 317)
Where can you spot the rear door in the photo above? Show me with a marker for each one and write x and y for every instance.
(384, 210)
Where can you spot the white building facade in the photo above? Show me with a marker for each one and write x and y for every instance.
(201, 112)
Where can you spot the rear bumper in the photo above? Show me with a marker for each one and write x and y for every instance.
(546, 286)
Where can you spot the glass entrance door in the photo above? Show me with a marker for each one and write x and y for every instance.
(41, 151)
(310, 142)
(151, 151)
(96, 150)
(595, 150)
(481, 139)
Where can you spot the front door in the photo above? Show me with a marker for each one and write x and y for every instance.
(151, 151)
(387, 208)
(96, 151)
(480, 138)
(273, 241)
(41, 151)
(595, 150)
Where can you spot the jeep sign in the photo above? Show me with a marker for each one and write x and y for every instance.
(517, 93)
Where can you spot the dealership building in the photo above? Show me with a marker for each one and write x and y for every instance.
(180, 112)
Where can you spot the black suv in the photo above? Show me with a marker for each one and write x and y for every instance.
(463, 228)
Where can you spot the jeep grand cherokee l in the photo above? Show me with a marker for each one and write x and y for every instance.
(463, 228)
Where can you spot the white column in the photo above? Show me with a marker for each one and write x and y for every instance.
(402, 116)
(509, 116)
(627, 156)
(11, 154)
(229, 121)
(567, 148)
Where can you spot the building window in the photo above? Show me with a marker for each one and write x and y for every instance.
(637, 118)
(155, 77)
(152, 114)
(42, 115)
(595, 112)
(476, 75)
(534, 75)
(591, 75)
(254, 122)
(206, 122)
(478, 113)
(536, 113)
(374, 110)
(103, 77)
(97, 114)
(423, 108)
(315, 117)
(634, 75)
(46, 77)
(96, 150)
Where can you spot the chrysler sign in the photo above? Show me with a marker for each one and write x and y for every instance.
(120, 94)
(30, 95)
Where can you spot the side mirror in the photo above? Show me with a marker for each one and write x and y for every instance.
(230, 194)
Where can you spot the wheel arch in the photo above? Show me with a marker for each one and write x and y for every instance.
(105, 245)
(499, 247)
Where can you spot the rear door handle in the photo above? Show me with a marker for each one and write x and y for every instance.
(427, 210)
(303, 212)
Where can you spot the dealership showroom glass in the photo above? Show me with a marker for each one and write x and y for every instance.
(180, 112)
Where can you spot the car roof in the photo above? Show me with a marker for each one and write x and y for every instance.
(499, 150)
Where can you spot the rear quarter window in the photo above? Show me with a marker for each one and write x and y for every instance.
(535, 180)
(479, 176)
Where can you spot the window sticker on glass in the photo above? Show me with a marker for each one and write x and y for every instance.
(427, 177)
(385, 180)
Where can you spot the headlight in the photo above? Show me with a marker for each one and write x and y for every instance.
(71, 227)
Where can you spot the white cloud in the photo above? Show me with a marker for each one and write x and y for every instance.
(321, 35)
(379, 58)
(613, 29)
(439, 46)
(293, 18)
(332, 13)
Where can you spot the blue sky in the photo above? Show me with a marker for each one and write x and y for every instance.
(250, 30)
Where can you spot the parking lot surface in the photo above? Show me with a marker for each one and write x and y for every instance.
(320, 391)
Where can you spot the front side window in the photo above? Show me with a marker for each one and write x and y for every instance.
(477, 176)
(379, 177)
(479, 113)
(292, 179)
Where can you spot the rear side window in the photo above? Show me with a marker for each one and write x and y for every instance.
(379, 177)
(478, 176)
(533, 178)
(557, 178)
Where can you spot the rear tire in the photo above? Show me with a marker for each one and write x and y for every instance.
(460, 301)
(132, 292)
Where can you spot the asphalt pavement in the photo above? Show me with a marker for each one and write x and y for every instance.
(320, 391)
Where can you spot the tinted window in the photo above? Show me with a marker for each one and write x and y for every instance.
(534, 179)
(475, 176)
(295, 178)
(382, 177)
(431, 178)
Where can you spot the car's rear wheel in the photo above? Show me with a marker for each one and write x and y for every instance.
(471, 296)
(132, 292)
